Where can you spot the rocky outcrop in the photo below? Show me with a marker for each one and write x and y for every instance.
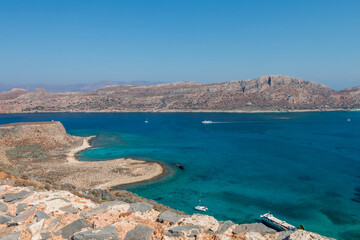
(45, 218)
(267, 93)
(49, 135)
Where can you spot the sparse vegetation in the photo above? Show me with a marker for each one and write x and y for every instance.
(35, 152)
(14, 170)
(301, 227)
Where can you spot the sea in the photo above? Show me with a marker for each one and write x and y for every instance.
(303, 168)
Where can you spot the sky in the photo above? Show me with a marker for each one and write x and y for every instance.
(80, 41)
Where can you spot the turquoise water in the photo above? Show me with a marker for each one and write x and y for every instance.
(302, 167)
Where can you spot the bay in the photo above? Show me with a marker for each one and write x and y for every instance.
(302, 167)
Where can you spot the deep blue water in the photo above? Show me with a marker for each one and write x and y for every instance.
(302, 167)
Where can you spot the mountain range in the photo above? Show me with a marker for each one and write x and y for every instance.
(267, 93)
(79, 87)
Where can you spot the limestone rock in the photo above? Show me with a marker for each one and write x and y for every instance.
(72, 228)
(188, 230)
(140, 207)
(204, 221)
(304, 235)
(20, 208)
(169, 216)
(223, 226)
(283, 235)
(25, 215)
(9, 197)
(108, 233)
(104, 207)
(12, 236)
(3, 207)
(5, 219)
(54, 223)
(254, 236)
(69, 209)
(140, 232)
(37, 227)
(45, 235)
(102, 194)
(254, 227)
(40, 215)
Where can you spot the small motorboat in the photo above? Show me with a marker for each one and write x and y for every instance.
(146, 120)
(206, 122)
(201, 208)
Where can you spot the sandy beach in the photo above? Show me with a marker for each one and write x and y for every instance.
(104, 174)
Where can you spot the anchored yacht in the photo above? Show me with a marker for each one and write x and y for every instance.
(276, 223)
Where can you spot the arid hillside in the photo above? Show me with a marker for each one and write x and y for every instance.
(267, 93)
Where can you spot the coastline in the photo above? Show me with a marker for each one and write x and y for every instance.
(112, 173)
(196, 111)
(71, 156)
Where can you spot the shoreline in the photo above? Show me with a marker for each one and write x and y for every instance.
(136, 174)
(197, 111)
(71, 156)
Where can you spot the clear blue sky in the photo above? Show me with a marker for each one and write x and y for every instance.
(80, 41)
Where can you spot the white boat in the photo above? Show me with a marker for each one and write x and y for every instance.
(276, 223)
(206, 122)
(201, 208)
(146, 121)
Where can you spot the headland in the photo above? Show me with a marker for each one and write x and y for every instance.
(45, 150)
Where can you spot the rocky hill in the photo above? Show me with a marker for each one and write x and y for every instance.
(268, 93)
(49, 135)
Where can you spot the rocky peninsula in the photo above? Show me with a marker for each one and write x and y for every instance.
(272, 93)
(44, 150)
(46, 193)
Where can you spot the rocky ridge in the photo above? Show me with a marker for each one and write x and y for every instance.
(267, 93)
(27, 213)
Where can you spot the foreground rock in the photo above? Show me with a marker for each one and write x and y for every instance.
(62, 215)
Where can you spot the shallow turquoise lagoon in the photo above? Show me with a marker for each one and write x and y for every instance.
(302, 167)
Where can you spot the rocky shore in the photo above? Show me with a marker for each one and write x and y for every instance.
(28, 213)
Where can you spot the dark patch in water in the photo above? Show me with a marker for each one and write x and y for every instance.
(357, 199)
(337, 217)
(158, 199)
(357, 194)
(357, 189)
(350, 235)
(232, 182)
(287, 209)
(332, 195)
(305, 178)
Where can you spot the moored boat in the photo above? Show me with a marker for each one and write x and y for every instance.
(276, 223)
(201, 208)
